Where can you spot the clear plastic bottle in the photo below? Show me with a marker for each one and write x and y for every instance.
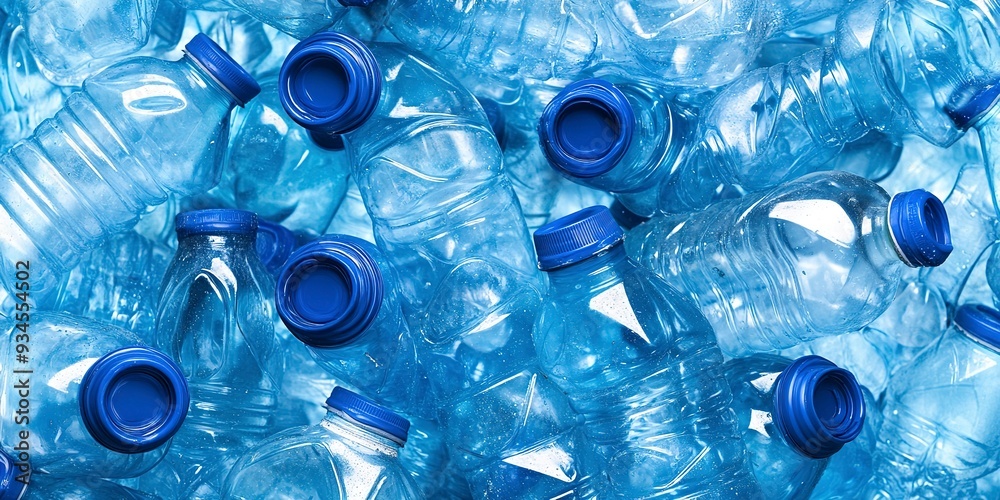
(352, 453)
(430, 171)
(821, 255)
(939, 433)
(640, 364)
(215, 319)
(848, 470)
(880, 73)
(45, 487)
(339, 296)
(794, 416)
(135, 133)
(352, 218)
(75, 39)
(26, 96)
(97, 402)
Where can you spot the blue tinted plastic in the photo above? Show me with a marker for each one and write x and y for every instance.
(28, 96)
(274, 244)
(939, 415)
(96, 183)
(335, 459)
(214, 319)
(45, 487)
(636, 378)
(809, 258)
(368, 413)
(64, 351)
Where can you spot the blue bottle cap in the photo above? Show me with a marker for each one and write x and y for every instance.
(223, 68)
(496, 117)
(330, 290)
(818, 407)
(972, 102)
(369, 413)
(918, 224)
(10, 487)
(330, 82)
(980, 322)
(586, 129)
(274, 244)
(576, 237)
(133, 400)
(215, 221)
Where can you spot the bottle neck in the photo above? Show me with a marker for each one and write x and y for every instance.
(344, 426)
(218, 242)
(606, 267)
(208, 80)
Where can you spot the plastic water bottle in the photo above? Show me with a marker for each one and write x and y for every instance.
(275, 243)
(437, 202)
(352, 453)
(274, 169)
(96, 402)
(75, 39)
(214, 318)
(136, 132)
(640, 364)
(628, 138)
(821, 255)
(26, 96)
(794, 415)
(673, 43)
(339, 296)
(623, 138)
(802, 112)
(869, 354)
(939, 435)
(115, 283)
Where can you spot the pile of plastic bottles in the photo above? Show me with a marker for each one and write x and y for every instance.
(505, 249)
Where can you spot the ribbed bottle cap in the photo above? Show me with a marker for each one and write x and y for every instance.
(10, 487)
(818, 407)
(369, 413)
(972, 102)
(274, 244)
(223, 68)
(918, 224)
(494, 113)
(133, 400)
(330, 82)
(576, 237)
(330, 290)
(981, 322)
(586, 129)
(215, 221)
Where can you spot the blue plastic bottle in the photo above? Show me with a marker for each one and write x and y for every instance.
(215, 319)
(26, 96)
(640, 364)
(274, 169)
(802, 112)
(794, 415)
(430, 171)
(939, 433)
(116, 283)
(848, 470)
(98, 403)
(339, 296)
(74, 39)
(136, 132)
(352, 218)
(869, 354)
(432, 177)
(628, 138)
(352, 453)
(821, 255)
(674, 43)
(623, 138)
(44, 487)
